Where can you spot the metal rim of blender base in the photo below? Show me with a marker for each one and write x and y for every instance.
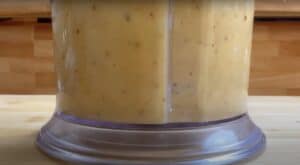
(217, 144)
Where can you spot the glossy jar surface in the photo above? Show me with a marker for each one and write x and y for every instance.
(152, 61)
(152, 82)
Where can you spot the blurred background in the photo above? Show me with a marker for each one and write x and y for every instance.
(26, 48)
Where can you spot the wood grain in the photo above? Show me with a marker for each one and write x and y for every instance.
(21, 117)
(24, 8)
(26, 55)
(275, 66)
(277, 8)
(41, 8)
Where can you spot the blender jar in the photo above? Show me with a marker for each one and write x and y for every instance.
(152, 82)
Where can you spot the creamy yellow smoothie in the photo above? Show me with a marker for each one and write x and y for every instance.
(111, 59)
(211, 47)
(152, 61)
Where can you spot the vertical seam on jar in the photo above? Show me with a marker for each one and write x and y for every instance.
(251, 44)
(168, 67)
(206, 85)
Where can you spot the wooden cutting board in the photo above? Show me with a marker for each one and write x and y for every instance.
(22, 116)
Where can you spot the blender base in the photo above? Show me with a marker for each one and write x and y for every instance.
(214, 144)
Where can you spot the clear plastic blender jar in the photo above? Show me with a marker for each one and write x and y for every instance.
(152, 82)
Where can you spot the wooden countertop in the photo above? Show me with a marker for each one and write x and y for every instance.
(277, 8)
(41, 8)
(25, 8)
(22, 116)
